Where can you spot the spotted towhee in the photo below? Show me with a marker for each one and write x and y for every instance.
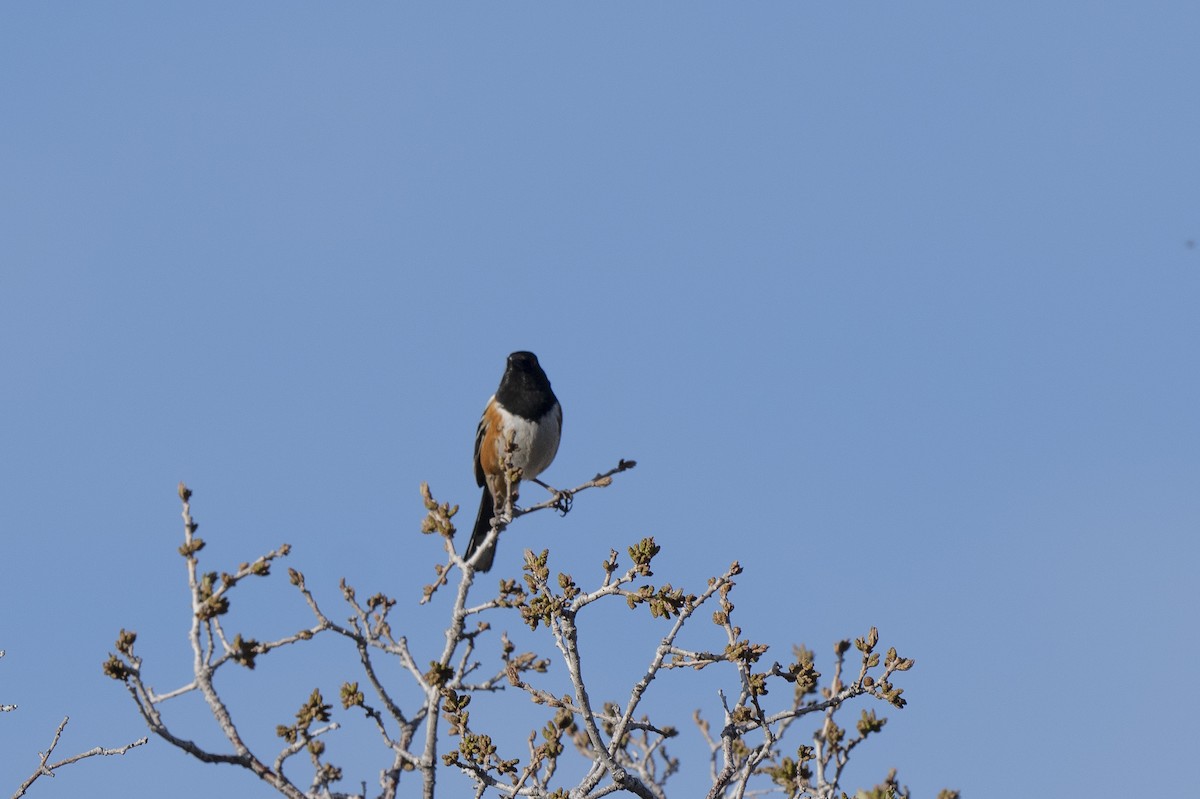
(525, 407)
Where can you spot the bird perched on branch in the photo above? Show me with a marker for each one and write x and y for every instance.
(525, 408)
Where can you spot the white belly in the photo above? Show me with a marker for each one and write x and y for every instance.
(537, 442)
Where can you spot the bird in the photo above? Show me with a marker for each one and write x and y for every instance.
(525, 406)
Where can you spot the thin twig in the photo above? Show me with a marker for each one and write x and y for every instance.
(562, 498)
(45, 768)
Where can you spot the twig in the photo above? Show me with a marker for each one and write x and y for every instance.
(45, 768)
(568, 495)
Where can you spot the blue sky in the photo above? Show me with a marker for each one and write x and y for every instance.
(894, 303)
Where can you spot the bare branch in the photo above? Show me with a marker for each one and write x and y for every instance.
(433, 729)
(562, 500)
(46, 768)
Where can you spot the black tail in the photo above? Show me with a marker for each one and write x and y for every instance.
(483, 525)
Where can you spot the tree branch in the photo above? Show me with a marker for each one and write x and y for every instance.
(47, 769)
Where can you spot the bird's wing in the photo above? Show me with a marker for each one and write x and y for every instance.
(483, 422)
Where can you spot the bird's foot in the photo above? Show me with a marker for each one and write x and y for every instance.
(562, 499)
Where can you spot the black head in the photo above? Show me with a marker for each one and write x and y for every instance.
(525, 389)
(523, 360)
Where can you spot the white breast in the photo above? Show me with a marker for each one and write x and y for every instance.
(537, 442)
